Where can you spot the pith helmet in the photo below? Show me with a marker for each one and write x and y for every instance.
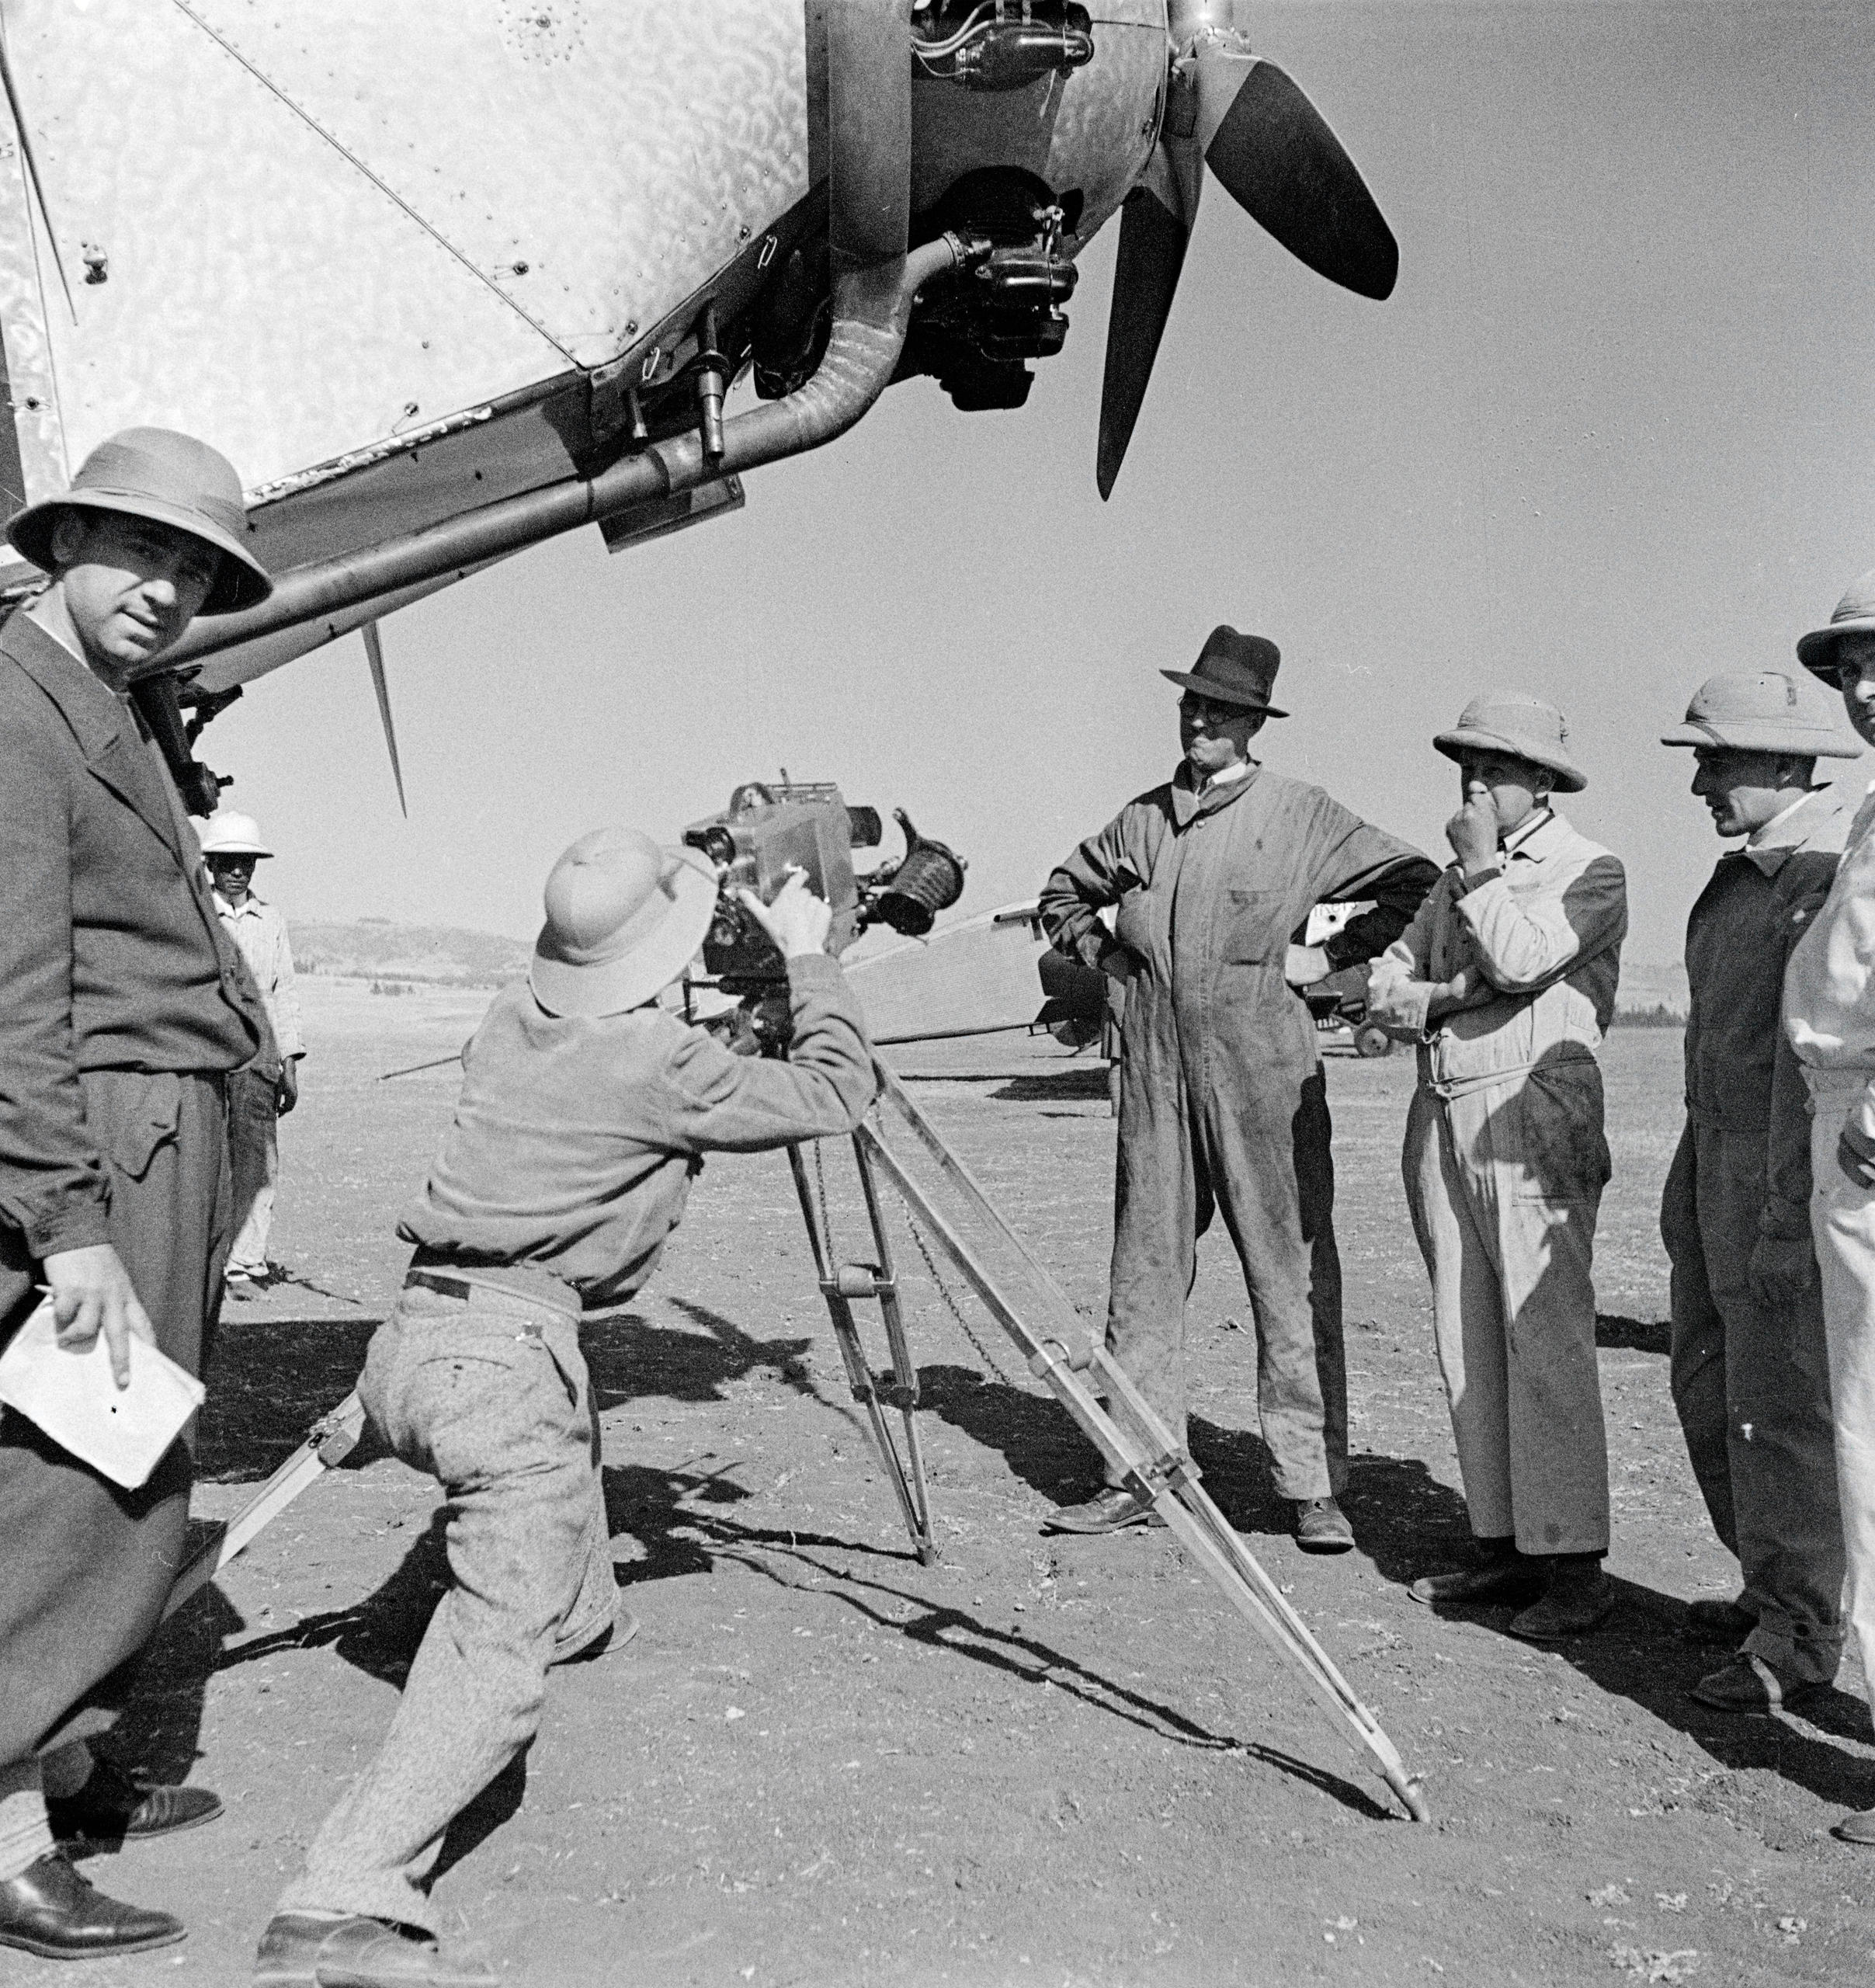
(623, 917)
(1855, 615)
(1762, 710)
(1503, 721)
(156, 473)
(1234, 669)
(229, 834)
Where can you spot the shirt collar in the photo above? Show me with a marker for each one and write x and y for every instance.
(1519, 841)
(1242, 770)
(251, 902)
(1783, 835)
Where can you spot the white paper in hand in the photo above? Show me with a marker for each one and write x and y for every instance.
(122, 1431)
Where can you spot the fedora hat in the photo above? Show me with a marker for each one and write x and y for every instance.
(1763, 710)
(1234, 669)
(227, 833)
(175, 480)
(623, 916)
(1525, 727)
(1855, 615)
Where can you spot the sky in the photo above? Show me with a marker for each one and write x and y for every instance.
(1615, 431)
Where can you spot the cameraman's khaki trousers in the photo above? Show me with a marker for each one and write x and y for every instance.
(490, 1395)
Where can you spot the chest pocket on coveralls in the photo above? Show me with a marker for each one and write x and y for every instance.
(1253, 927)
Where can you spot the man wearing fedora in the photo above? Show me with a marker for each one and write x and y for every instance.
(1212, 876)
(263, 1094)
(1829, 1022)
(585, 1110)
(1506, 980)
(1750, 1370)
(122, 1013)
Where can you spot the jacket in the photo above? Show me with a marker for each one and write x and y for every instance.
(1545, 934)
(111, 956)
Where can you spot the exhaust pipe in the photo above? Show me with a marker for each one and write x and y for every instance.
(872, 311)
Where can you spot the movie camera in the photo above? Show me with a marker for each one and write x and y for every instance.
(771, 827)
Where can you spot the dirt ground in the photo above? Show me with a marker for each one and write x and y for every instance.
(1051, 1761)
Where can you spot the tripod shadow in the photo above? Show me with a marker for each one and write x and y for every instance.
(1025, 1659)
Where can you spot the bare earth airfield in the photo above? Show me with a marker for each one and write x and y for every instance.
(1057, 1761)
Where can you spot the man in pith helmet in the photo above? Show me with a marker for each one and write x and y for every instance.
(1749, 1367)
(1829, 1022)
(122, 1013)
(1506, 980)
(263, 1094)
(1222, 1103)
(584, 1113)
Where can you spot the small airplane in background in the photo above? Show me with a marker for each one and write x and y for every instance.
(448, 278)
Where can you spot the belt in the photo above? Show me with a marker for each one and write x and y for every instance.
(520, 1280)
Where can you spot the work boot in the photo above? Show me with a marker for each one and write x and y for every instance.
(1111, 1510)
(612, 1635)
(1578, 1598)
(50, 1910)
(1726, 1622)
(309, 1950)
(112, 1809)
(1748, 1684)
(1502, 1574)
(1858, 1828)
(1322, 1526)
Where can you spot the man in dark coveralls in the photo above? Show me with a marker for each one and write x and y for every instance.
(1221, 1098)
(122, 1010)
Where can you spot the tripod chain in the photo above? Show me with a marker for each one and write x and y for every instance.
(950, 1303)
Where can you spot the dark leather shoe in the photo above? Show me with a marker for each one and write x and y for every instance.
(1111, 1510)
(50, 1910)
(299, 1951)
(1723, 1622)
(1578, 1599)
(1322, 1527)
(1511, 1580)
(612, 1635)
(111, 1809)
(1857, 1828)
(1748, 1684)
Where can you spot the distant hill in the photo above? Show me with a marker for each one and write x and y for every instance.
(375, 949)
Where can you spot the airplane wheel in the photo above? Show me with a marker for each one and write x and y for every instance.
(1371, 1039)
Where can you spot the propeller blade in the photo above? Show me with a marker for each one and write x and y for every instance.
(1279, 160)
(869, 129)
(374, 655)
(1155, 226)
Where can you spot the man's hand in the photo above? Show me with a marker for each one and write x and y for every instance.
(1467, 989)
(91, 1292)
(1473, 831)
(1856, 1155)
(1782, 1268)
(797, 921)
(1117, 962)
(1304, 965)
(286, 1091)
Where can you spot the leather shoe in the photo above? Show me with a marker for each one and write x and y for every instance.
(111, 1809)
(612, 1636)
(1710, 1621)
(1322, 1527)
(1514, 1580)
(300, 1950)
(1748, 1684)
(50, 1910)
(1111, 1510)
(1857, 1828)
(1579, 1598)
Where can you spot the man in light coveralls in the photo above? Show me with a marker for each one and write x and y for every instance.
(1829, 1020)
(1506, 979)
(1750, 1374)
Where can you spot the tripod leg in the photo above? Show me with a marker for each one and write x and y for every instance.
(913, 1507)
(902, 1366)
(1168, 1479)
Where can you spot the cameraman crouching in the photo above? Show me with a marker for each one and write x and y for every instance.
(585, 1110)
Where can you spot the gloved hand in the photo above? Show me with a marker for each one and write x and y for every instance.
(1782, 1268)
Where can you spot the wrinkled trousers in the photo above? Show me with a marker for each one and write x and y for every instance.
(254, 1165)
(1752, 1388)
(88, 1565)
(1504, 1183)
(1265, 1162)
(1843, 1221)
(490, 1395)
